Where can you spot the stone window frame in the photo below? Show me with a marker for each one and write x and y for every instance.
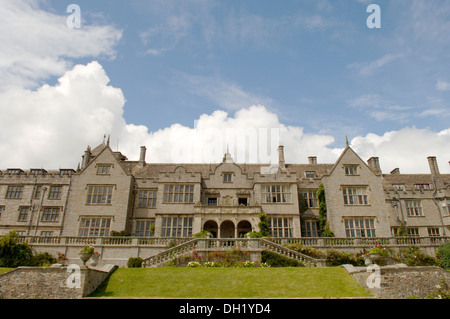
(177, 226)
(101, 195)
(55, 192)
(310, 228)
(142, 227)
(147, 198)
(97, 226)
(358, 196)
(104, 169)
(351, 169)
(360, 227)
(178, 193)
(281, 225)
(310, 199)
(50, 214)
(399, 187)
(415, 210)
(276, 194)
(310, 174)
(445, 204)
(227, 177)
(14, 192)
(23, 213)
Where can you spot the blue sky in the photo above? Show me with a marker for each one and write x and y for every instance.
(315, 64)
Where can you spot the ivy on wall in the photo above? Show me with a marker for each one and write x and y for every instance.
(324, 229)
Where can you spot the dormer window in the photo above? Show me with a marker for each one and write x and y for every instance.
(38, 171)
(351, 170)
(14, 171)
(399, 187)
(422, 186)
(310, 174)
(66, 171)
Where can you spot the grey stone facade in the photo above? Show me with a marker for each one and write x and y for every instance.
(111, 193)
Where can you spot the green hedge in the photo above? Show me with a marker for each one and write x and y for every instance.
(276, 260)
(444, 255)
(135, 262)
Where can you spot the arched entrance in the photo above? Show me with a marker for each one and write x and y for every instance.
(227, 229)
(212, 227)
(243, 228)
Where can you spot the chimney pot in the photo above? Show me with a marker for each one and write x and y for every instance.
(142, 156)
(434, 169)
(281, 161)
(374, 164)
(312, 160)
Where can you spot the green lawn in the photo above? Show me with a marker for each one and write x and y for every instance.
(2, 270)
(172, 282)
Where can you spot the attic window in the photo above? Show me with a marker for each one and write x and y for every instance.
(38, 171)
(399, 187)
(66, 171)
(422, 186)
(227, 177)
(351, 170)
(310, 174)
(103, 169)
(14, 171)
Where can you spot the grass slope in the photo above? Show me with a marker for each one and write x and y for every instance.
(167, 282)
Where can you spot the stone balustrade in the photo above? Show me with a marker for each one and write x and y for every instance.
(117, 250)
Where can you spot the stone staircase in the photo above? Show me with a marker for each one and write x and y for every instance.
(252, 245)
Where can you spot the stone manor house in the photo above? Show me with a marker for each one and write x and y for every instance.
(108, 193)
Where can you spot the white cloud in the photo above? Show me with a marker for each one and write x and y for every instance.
(51, 126)
(369, 68)
(443, 86)
(407, 149)
(221, 93)
(36, 44)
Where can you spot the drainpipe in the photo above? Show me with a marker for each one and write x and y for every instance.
(40, 208)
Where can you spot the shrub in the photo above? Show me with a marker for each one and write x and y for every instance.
(203, 234)
(42, 260)
(443, 254)
(314, 253)
(264, 227)
(12, 252)
(135, 262)
(275, 260)
(337, 258)
(412, 256)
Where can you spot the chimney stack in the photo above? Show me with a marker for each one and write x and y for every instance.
(374, 164)
(281, 161)
(312, 160)
(142, 156)
(434, 169)
(86, 157)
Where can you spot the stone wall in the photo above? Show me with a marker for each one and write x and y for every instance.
(51, 282)
(400, 281)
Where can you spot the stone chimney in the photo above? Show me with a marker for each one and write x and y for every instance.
(374, 165)
(281, 161)
(435, 175)
(142, 156)
(434, 169)
(312, 160)
(86, 157)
